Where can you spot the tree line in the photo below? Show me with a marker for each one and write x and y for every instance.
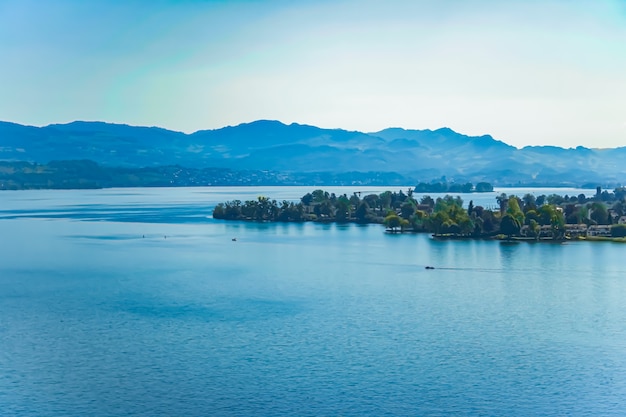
(446, 187)
(527, 216)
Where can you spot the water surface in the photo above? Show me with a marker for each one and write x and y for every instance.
(136, 302)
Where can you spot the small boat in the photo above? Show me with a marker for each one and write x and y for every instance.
(429, 267)
(234, 239)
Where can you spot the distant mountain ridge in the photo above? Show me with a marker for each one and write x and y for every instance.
(271, 145)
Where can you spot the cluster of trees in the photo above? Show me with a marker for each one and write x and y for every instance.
(321, 206)
(399, 211)
(261, 209)
(516, 212)
(533, 217)
(445, 187)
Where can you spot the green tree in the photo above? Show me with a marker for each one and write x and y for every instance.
(447, 202)
(557, 225)
(466, 225)
(438, 220)
(489, 221)
(427, 201)
(362, 212)
(418, 220)
(392, 221)
(385, 199)
(532, 215)
(323, 209)
(342, 209)
(219, 212)
(502, 200)
(541, 200)
(451, 227)
(373, 201)
(555, 199)
(263, 209)
(355, 200)
(319, 196)
(530, 202)
(534, 228)
(484, 187)
(599, 213)
(513, 208)
(307, 199)
(409, 194)
(546, 212)
(572, 214)
(478, 226)
(407, 209)
(509, 225)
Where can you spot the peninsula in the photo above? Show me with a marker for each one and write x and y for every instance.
(552, 217)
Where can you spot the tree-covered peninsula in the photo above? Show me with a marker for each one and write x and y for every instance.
(552, 217)
(445, 187)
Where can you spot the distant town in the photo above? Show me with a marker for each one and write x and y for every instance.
(85, 174)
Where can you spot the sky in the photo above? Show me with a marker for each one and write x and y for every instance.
(527, 72)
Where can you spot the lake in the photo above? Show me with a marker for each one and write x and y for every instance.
(135, 302)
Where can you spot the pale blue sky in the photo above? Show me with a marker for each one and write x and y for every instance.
(527, 72)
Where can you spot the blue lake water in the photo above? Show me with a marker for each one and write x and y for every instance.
(129, 302)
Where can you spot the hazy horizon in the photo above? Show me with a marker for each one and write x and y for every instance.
(526, 73)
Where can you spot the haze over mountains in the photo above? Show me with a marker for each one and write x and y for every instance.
(416, 155)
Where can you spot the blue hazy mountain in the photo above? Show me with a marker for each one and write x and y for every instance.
(272, 145)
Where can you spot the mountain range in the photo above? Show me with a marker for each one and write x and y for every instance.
(417, 155)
